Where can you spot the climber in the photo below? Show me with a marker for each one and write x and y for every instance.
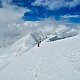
(39, 42)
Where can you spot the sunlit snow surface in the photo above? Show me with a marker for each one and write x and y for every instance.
(59, 60)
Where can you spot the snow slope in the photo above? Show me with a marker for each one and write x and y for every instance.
(57, 60)
(7, 55)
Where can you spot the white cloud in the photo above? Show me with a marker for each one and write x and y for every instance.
(56, 4)
(10, 30)
(71, 16)
(10, 14)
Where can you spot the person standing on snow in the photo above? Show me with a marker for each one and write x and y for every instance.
(39, 43)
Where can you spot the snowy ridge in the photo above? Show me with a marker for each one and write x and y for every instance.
(9, 54)
(57, 60)
(19, 47)
(27, 42)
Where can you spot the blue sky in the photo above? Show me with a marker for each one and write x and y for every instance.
(67, 10)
